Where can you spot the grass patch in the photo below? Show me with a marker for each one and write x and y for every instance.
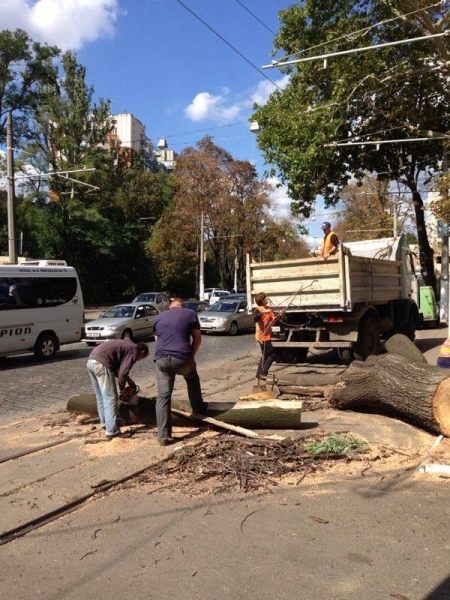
(336, 443)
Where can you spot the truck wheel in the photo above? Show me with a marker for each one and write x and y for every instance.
(408, 327)
(368, 339)
(46, 347)
(234, 328)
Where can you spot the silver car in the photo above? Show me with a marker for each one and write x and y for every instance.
(158, 299)
(226, 316)
(133, 320)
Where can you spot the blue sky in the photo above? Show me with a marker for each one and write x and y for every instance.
(157, 60)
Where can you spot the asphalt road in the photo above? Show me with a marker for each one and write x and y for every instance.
(29, 387)
(361, 534)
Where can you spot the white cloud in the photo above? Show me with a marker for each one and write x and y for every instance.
(224, 109)
(68, 24)
(265, 88)
(280, 199)
(206, 106)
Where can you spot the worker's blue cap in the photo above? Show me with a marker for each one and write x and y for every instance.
(326, 224)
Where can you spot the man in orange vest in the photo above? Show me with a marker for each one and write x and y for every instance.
(264, 318)
(444, 355)
(330, 242)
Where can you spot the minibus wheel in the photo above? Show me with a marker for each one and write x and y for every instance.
(46, 346)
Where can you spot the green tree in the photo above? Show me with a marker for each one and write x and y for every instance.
(233, 202)
(372, 210)
(391, 93)
(441, 207)
(25, 66)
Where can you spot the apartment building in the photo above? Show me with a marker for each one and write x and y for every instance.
(130, 133)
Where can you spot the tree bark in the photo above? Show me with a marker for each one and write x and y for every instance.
(391, 383)
(401, 344)
(264, 414)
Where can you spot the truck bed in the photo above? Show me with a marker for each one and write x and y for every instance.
(337, 284)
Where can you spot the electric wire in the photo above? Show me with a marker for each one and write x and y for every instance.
(257, 18)
(247, 60)
(363, 31)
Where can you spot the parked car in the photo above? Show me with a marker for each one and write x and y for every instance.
(197, 305)
(207, 294)
(242, 296)
(217, 295)
(134, 321)
(158, 299)
(226, 316)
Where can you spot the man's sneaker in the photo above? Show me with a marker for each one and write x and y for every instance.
(166, 441)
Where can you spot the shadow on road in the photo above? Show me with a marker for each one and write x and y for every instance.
(441, 592)
(21, 361)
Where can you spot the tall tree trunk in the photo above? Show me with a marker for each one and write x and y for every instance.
(426, 252)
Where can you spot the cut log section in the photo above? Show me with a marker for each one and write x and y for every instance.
(401, 344)
(392, 383)
(265, 414)
(227, 426)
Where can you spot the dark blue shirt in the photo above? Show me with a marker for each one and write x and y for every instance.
(173, 328)
(117, 355)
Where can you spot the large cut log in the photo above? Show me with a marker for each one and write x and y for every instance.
(391, 383)
(401, 344)
(222, 425)
(143, 413)
(265, 414)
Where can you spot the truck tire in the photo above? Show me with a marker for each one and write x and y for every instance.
(46, 346)
(409, 326)
(368, 339)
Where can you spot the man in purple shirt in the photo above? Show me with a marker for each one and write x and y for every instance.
(111, 359)
(178, 338)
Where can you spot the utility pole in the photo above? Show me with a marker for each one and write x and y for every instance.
(12, 245)
(202, 260)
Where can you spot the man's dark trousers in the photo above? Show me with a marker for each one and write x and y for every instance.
(166, 370)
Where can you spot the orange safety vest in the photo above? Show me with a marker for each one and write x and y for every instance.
(444, 351)
(263, 330)
(327, 246)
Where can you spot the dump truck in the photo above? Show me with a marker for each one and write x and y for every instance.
(350, 302)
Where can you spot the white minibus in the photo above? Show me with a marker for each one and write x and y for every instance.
(41, 307)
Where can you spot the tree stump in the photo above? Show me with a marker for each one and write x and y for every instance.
(392, 383)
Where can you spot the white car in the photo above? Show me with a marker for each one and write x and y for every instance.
(217, 295)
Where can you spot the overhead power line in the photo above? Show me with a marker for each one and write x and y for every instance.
(229, 44)
(276, 63)
(377, 143)
(253, 15)
(353, 34)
